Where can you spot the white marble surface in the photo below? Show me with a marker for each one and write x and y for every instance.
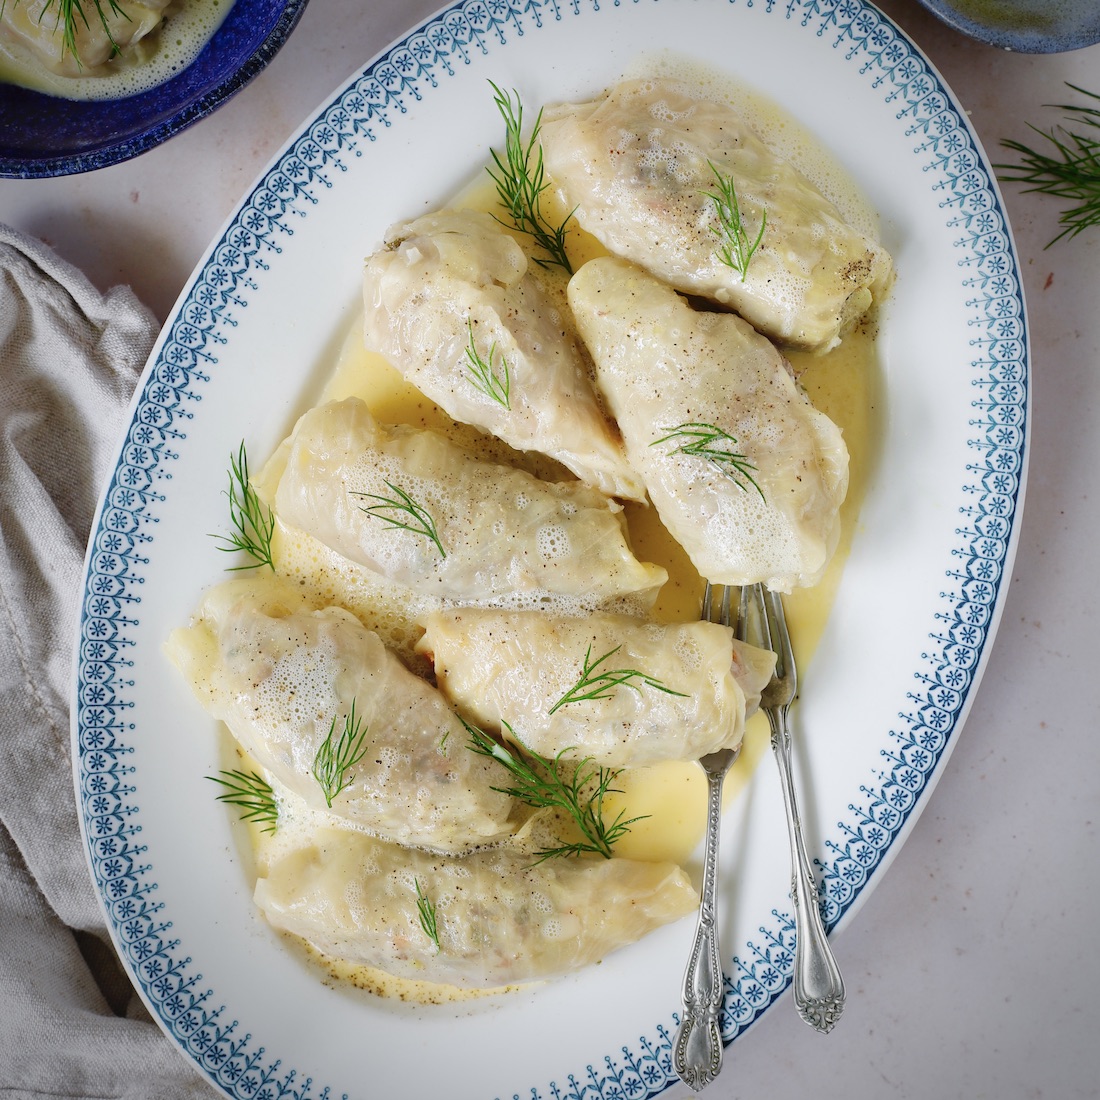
(971, 970)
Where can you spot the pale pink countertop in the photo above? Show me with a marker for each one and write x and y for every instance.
(972, 970)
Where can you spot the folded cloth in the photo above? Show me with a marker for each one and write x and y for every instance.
(71, 1025)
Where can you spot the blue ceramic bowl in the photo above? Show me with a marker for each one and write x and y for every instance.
(1026, 26)
(42, 135)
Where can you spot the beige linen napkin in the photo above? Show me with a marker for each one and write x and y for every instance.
(71, 1024)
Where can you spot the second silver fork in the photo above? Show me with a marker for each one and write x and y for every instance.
(818, 986)
(697, 1046)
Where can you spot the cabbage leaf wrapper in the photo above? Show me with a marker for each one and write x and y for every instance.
(641, 165)
(284, 677)
(500, 917)
(514, 668)
(456, 282)
(500, 533)
(769, 512)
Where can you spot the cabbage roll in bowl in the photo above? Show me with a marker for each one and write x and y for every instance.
(116, 31)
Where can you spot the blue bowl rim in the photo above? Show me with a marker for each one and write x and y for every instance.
(102, 154)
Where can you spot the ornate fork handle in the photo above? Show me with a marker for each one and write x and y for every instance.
(818, 986)
(697, 1046)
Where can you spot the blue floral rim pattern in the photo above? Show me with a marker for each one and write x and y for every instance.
(187, 1007)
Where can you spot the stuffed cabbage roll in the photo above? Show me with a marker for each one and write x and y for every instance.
(743, 471)
(289, 681)
(483, 531)
(619, 690)
(499, 919)
(644, 164)
(452, 302)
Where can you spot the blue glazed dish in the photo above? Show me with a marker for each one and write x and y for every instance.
(1025, 26)
(43, 135)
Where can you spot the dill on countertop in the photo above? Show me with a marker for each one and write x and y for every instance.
(253, 523)
(578, 791)
(1068, 167)
(520, 178)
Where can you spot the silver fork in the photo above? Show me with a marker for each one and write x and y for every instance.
(697, 1046)
(818, 986)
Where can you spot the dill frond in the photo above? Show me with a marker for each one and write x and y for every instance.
(1068, 167)
(252, 794)
(556, 783)
(253, 524)
(403, 513)
(483, 376)
(425, 909)
(520, 178)
(734, 249)
(335, 759)
(599, 683)
(709, 442)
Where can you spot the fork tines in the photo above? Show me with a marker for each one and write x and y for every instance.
(716, 611)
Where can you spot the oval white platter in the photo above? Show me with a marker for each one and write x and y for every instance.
(884, 697)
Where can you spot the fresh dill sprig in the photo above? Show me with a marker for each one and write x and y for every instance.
(708, 441)
(600, 683)
(253, 523)
(520, 177)
(335, 759)
(419, 520)
(252, 794)
(68, 14)
(1070, 169)
(555, 783)
(482, 375)
(425, 909)
(734, 250)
